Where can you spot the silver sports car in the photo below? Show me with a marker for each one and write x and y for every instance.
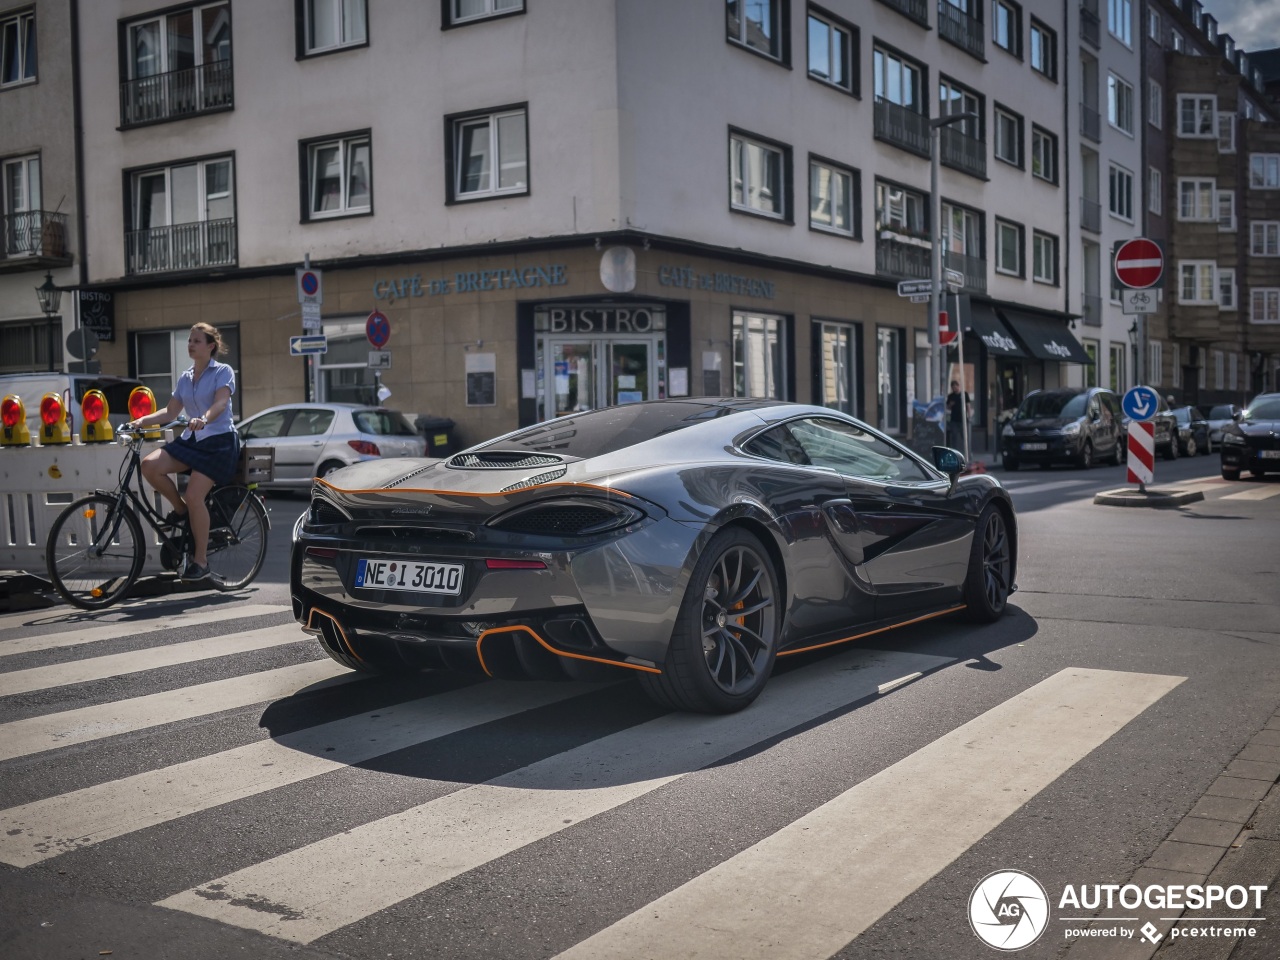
(689, 542)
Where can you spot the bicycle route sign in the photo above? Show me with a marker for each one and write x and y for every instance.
(1138, 301)
(1139, 263)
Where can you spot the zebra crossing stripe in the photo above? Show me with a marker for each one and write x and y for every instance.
(46, 828)
(99, 668)
(125, 628)
(1254, 493)
(326, 885)
(836, 871)
(21, 738)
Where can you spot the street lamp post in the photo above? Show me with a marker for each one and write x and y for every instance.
(934, 381)
(50, 296)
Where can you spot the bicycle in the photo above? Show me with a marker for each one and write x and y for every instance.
(96, 550)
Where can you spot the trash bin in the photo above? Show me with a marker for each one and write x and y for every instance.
(439, 434)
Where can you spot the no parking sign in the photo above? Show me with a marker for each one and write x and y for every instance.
(378, 329)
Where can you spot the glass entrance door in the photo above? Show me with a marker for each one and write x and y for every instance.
(585, 374)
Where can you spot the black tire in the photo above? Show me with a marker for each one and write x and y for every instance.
(94, 552)
(716, 664)
(989, 580)
(1171, 451)
(1208, 446)
(1193, 448)
(1085, 460)
(1229, 473)
(328, 467)
(237, 536)
(1011, 464)
(1118, 454)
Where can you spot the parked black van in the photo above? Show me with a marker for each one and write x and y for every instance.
(1081, 426)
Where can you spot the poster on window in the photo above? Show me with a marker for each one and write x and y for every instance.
(482, 386)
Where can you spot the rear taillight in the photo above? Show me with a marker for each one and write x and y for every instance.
(365, 447)
(327, 553)
(495, 564)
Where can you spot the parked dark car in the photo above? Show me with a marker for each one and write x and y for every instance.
(1166, 430)
(685, 542)
(1193, 431)
(1252, 441)
(1220, 416)
(1069, 425)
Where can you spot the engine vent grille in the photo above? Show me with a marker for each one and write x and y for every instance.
(409, 476)
(418, 534)
(562, 520)
(534, 481)
(504, 461)
(324, 513)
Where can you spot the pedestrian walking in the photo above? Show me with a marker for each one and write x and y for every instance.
(958, 404)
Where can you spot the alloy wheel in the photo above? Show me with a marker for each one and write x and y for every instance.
(738, 619)
(995, 561)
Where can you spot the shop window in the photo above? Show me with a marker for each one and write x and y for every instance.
(891, 394)
(490, 154)
(326, 25)
(339, 177)
(836, 347)
(159, 357)
(759, 355)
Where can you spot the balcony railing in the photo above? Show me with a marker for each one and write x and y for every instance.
(959, 150)
(184, 246)
(917, 10)
(902, 127)
(1090, 123)
(957, 27)
(1092, 304)
(973, 268)
(179, 93)
(1090, 215)
(903, 261)
(40, 234)
(1090, 28)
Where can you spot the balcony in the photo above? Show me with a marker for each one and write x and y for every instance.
(1090, 28)
(177, 94)
(1090, 215)
(902, 261)
(973, 268)
(917, 10)
(1092, 309)
(184, 246)
(33, 240)
(957, 27)
(1090, 123)
(902, 127)
(959, 150)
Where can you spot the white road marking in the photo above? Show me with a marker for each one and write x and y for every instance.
(309, 892)
(21, 738)
(1046, 487)
(99, 668)
(47, 828)
(900, 682)
(1255, 493)
(836, 871)
(128, 628)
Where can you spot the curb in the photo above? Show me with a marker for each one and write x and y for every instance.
(1129, 497)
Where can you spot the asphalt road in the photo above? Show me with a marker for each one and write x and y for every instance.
(845, 814)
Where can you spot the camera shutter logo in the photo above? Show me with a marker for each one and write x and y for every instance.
(1008, 910)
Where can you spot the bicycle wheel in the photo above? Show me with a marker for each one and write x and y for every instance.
(95, 551)
(237, 536)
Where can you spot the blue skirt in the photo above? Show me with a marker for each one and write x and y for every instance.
(217, 457)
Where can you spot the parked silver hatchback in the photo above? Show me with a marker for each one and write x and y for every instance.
(314, 439)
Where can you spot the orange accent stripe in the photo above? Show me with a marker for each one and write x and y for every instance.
(458, 493)
(871, 633)
(559, 653)
(342, 633)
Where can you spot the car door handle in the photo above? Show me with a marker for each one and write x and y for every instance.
(317, 443)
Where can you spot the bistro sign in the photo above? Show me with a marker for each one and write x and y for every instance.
(467, 281)
(600, 319)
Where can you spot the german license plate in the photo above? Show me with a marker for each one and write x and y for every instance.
(1035, 446)
(1269, 454)
(411, 575)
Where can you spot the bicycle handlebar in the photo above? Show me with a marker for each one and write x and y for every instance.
(135, 432)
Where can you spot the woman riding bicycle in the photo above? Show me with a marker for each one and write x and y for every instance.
(209, 447)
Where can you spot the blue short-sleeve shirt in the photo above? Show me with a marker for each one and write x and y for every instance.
(197, 397)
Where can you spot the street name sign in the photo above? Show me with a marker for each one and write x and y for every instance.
(1139, 263)
(908, 288)
(955, 278)
(308, 344)
(1140, 403)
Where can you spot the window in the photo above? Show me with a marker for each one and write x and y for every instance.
(954, 99)
(1008, 142)
(1197, 282)
(332, 24)
(18, 48)
(464, 11)
(1226, 289)
(1226, 133)
(339, 177)
(1197, 116)
(1120, 104)
(1233, 371)
(961, 231)
(490, 153)
(1155, 361)
(1196, 199)
(1264, 171)
(24, 221)
(1155, 104)
(1227, 211)
(1006, 26)
(1155, 190)
(759, 364)
(901, 212)
(837, 346)
(833, 52)
(757, 25)
(1091, 348)
(758, 175)
(1120, 193)
(853, 452)
(1044, 50)
(1045, 252)
(898, 81)
(1218, 369)
(1179, 44)
(1120, 20)
(1009, 247)
(160, 356)
(1264, 238)
(1264, 305)
(1153, 25)
(1115, 374)
(833, 193)
(1175, 365)
(182, 216)
(1044, 154)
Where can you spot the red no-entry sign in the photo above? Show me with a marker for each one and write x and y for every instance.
(1139, 263)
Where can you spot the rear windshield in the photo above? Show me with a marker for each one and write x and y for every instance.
(1221, 412)
(1052, 405)
(385, 423)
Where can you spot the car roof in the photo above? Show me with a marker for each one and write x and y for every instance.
(320, 406)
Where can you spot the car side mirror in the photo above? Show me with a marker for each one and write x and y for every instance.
(949, 461)
(1237, 416)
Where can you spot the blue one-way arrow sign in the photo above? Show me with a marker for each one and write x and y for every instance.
(304, 346)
